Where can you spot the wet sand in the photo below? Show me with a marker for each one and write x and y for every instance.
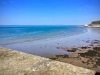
(87, 56)
(49, 47)
(20, 63)
(67, 49)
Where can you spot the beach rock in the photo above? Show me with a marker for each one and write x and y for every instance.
(19, 63)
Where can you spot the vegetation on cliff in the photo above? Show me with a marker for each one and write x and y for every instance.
(96, 22)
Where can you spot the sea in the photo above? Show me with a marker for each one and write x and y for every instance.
(43, 40)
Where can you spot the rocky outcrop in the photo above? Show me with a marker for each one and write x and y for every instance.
(93, 24)
(19, 63)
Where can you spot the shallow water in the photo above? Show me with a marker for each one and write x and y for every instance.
(45, 43)
(19, 34)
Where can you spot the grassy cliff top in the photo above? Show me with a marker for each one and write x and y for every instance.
(96, 22)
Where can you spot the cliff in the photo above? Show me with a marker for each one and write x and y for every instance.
(19, 63)
(94, 24)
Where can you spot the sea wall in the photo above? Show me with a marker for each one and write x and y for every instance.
(20, 63)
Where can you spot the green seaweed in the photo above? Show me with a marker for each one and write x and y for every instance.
(89, 53)
(73, 50)
(83, 47)
(62, 56)
(59, 56)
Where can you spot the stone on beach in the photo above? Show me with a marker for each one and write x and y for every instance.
(19, 63)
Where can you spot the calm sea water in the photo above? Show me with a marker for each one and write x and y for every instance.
(45, 40)
(19, 34)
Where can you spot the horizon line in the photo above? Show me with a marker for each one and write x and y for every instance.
(45, 24)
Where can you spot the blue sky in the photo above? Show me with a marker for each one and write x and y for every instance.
(49, 12)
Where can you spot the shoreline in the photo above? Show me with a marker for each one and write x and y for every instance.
(17, 46)
(19, 63)
(46, 39)
(87, 56)
(48, 48)
(76, 46)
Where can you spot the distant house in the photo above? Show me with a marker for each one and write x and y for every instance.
(86, 25)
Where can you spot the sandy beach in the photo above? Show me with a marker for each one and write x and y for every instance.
(51, 46)
(66, 32)
(19, 63)
(79, 50)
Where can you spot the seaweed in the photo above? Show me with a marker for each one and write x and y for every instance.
(73, 50)
(59, 56)
(89, 53)
(98, 61)
(94, 66)
(96, 48)
(62, 56)
(58, 47)
(83, 62)
(53, 58)
(83, 47)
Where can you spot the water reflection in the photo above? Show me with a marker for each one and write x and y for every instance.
(94, 30)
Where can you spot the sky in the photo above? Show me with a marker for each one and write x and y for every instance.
(49, 12)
